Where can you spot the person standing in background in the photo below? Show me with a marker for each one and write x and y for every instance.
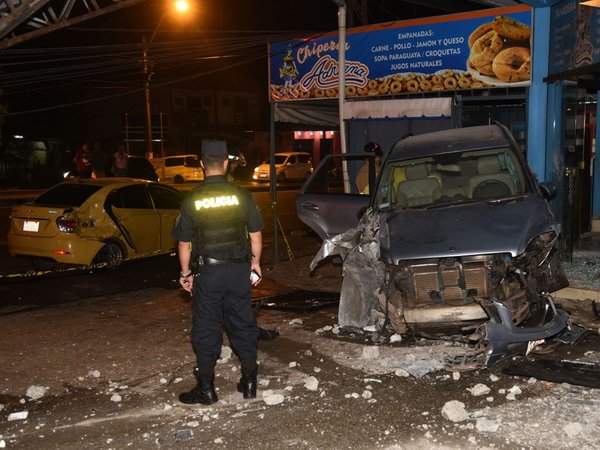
(98, 161)
(83, 162)
(120, 162)
(362, 179)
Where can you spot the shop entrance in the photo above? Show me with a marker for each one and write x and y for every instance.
(580, 122)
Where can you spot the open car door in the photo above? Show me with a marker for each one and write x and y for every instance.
(330, 206)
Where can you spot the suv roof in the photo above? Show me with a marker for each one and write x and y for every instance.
(450, 141)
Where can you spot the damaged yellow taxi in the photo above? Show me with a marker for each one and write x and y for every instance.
(100, 221)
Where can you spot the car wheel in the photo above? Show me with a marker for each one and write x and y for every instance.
(43, 264)
(281, 178)
(178, 179)
(111, 254)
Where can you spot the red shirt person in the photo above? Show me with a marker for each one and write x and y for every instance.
(83, 162)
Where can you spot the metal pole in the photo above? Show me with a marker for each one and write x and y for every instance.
(127, 131)
(342, 84)
(273, 184)
(147, 76)
(162, 148)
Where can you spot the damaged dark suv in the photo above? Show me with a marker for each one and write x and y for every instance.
(458, 235)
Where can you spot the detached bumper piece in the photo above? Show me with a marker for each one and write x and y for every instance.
(572, 372)
(504, 338)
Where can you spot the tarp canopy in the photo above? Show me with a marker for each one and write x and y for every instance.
(325, 113)
(411, 108)
(308, 113)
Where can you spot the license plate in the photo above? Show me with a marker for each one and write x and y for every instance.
(31, 225)
(262, 175)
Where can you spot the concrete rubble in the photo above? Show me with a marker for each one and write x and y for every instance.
(316, 389)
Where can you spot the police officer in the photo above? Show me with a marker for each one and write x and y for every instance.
(220, 243)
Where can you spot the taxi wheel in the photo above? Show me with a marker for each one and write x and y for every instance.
(178, 179)
(111, 254)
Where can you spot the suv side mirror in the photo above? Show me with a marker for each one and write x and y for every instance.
(548, 189)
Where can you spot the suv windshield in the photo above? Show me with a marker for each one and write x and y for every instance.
(450, 179)
(66, 195)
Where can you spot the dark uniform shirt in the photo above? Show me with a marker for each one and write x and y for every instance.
(184, 228)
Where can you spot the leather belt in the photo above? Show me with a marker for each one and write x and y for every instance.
(213, 261)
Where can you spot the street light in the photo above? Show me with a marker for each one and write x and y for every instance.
(181, 7)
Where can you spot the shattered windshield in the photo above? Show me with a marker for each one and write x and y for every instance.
(450, 179)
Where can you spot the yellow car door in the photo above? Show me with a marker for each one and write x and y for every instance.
(166, 201)
(131, 209)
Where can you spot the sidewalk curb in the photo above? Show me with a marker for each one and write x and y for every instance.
(572, 293)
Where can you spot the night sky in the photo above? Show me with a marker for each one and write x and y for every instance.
(87, 67)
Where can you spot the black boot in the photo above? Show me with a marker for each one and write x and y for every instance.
(247, 384)
(203, 393)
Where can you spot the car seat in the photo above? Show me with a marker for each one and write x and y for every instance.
(419, 188)
(491, 180)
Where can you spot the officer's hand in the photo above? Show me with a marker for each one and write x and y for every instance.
(186, 282)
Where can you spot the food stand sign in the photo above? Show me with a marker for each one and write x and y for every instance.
(483, 49)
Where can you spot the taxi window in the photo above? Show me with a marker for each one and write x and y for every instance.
(132, 197)
(66, 195)
(165, 198)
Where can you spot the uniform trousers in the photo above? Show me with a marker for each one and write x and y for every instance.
(222, 295)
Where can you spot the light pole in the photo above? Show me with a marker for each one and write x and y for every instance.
(181, 6)
(342, 83)
(147, 76)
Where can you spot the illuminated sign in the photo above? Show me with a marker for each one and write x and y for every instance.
(480, 49)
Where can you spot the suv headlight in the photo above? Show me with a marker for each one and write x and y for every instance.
(540, 247)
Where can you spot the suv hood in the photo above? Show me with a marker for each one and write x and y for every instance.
(461, 230)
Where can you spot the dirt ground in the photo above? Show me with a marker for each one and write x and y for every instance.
(104, 373)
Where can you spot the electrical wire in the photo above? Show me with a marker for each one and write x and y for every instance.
(166, 83)
(120, 66)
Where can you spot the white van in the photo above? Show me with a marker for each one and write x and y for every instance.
(178, 168)
(288, 166)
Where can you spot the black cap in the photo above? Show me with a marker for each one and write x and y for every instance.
(212, 147)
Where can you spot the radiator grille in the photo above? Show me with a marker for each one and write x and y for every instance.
(442, 282)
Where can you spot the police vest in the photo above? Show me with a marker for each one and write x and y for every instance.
(219, 229)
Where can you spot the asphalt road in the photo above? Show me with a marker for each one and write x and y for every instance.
(105, 372)
(19, 291)
(109, 349)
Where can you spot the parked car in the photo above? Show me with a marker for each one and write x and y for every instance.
(140, 167)
(89, 221)
(288, 166)
(458, 236)
(178, 168)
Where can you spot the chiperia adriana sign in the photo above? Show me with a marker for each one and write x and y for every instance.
(483, 49)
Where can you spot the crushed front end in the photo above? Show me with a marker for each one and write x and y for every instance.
(498, 303)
